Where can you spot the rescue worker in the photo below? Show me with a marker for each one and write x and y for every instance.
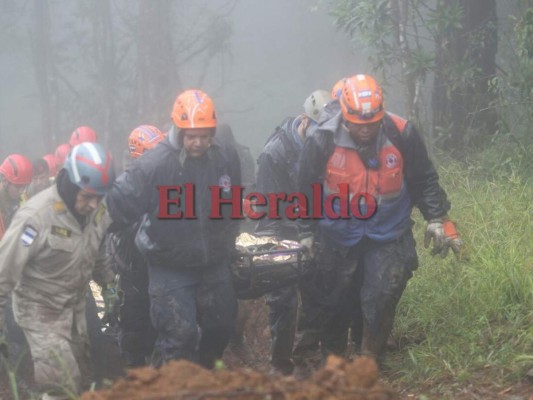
(16, 172)
(373, 256)
(82, 134)
(141, 139)
(40, 180)
(47, 257)
(136, 334)
(193, 303)
(277, 172)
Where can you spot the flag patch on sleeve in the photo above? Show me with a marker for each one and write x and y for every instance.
(28, 235)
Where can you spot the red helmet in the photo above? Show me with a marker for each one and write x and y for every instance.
(51, 161)
(143, 138)
(362, 100)
(61, 153)
(194, 109)
(82, 134)
(17, 169)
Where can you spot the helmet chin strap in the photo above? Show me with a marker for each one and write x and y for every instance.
(68, 192)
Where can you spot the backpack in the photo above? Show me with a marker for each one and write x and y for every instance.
(281, 133)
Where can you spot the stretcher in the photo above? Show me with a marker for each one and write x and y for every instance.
(265, 264)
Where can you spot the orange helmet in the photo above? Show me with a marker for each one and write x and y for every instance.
(194, 109)
(82, 134)
(51, 161)
(361, 100)
(17, 169)
(61, 153)
(337, 89)
(143, 138)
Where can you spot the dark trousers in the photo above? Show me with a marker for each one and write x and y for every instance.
(136, 334)
(193, 312)
(283, 305)
(358, 286)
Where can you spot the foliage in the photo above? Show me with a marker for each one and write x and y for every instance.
(524, 34)
(410, 40)
(400, 38)
(510, 152)
(443, 20)
(460, 319)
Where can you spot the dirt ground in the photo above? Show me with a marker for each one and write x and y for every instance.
(338, 379)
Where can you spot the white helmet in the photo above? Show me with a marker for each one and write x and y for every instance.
(315, 103)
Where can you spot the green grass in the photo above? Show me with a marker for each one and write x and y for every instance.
(466, 321)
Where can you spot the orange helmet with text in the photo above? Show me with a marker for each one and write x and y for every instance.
(143, 138)
(17, 169)
(194, 109)
(82, 134)
(362, 100)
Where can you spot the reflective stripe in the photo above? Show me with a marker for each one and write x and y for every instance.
(94, 153)
(73, 166)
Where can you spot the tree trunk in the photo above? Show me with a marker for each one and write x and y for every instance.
(158, 79)
(42, 53)
(107, 71)
(400, 14)
(465, 63)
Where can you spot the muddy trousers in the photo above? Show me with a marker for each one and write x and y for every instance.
(193, 312)
(136, 334)
(239, 343)
(60, 350)
(283, 304)
(360, 286)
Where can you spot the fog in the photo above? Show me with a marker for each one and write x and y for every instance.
(283, 51)
(278, 53)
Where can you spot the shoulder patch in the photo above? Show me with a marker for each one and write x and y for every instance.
(225, 182)
(29, 234)
(59, 207)
(60, 231)
(99, 213)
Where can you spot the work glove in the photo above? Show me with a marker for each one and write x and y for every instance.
(3, 345)
(444, 235)
(453, 240)
(111, 297)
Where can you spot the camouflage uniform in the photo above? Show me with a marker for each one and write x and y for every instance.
(47, 260)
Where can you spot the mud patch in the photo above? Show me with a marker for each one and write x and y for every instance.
(338, 379)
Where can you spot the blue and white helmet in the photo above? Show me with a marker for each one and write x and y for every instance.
(90, 168)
